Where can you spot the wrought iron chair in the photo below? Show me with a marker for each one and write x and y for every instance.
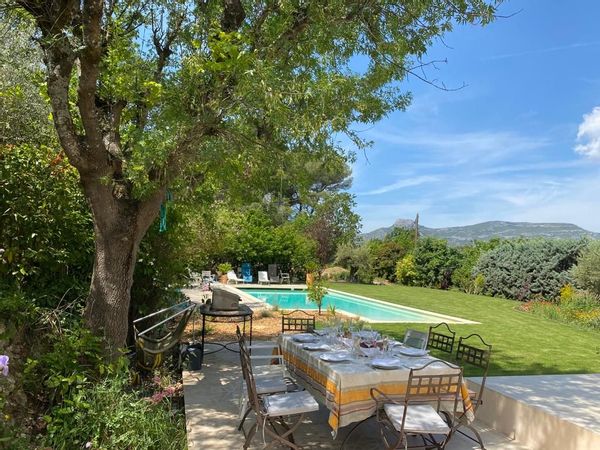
(300, 324)
(267, 381)
(441, 341)
(272, 409)
(151, 351)
(415, 415)
(477, 353)
(416, 339)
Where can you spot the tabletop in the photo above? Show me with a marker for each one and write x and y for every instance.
(344, 387)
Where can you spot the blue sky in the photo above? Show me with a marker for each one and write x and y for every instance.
(521, 142)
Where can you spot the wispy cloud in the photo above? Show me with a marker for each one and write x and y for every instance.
(408, 182)
(540, 51)
(589, 135)
(533, 167)
(459, 148)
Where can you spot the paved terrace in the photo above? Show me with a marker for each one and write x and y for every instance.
(212, 413)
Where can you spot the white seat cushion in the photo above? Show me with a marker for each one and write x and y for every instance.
(419, 419)
(290, 403)
(270, 384)
(270, 371)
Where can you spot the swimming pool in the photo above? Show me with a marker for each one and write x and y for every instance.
(366, 308)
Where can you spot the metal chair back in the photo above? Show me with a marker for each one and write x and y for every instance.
(150, 351)
(416, 339)
(290, 322)
(439, 340)
(427, 385)
(247, 373)
(477, 353)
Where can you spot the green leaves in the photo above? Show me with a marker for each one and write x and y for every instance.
(45, 231)
(523, 269)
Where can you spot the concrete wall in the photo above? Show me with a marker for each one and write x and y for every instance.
(533, 426)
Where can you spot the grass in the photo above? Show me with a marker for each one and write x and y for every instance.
(523, 344)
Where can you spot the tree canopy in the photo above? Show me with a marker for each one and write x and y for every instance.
(145, 92)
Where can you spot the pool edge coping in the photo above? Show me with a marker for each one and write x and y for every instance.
(457, 320)
(443, 317)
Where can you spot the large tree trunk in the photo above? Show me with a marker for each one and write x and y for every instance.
(119, 226)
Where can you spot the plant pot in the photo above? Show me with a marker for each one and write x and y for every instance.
(223, 279)
(310, 278)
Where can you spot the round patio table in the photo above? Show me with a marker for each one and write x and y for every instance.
(242, 315)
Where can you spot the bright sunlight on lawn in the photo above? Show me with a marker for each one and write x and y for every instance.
(522, 343)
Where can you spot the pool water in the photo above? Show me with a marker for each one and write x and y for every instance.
(369, 309)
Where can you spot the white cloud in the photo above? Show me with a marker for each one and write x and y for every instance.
(540, 51)
(408, 182)
(589, 135)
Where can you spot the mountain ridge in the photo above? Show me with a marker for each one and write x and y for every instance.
(484, 231)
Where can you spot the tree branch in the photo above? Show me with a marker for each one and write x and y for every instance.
(90, 57)
(233, 15)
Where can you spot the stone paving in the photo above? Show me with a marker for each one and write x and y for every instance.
(212, 413)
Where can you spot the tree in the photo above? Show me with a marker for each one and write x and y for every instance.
(356, 259)
(142, 92)
(587, 270)
(434, 262)
(386, 253)
(316, 292)
(24, 111)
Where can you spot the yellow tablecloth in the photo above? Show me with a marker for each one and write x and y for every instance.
(344, 388)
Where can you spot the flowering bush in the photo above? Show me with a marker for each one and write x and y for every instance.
(575, 307)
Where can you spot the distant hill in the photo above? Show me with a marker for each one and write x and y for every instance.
(488, 230)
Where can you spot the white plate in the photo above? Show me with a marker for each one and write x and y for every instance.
(411, 351)
(315, 347)
(386, 363)
(336, 356)
(305, 337)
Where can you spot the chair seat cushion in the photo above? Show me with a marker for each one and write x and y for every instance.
(270, 371)
(290, 403)
(270, 384)
(419, 419)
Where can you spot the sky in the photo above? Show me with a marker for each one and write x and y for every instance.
(520, 142)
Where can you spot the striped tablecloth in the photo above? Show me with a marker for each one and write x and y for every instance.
(344, 388)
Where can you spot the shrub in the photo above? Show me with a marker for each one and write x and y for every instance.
(523, 269)
(576, 307)
(107, 414)
(384, 254)
(335, 274)
(463, 277)
(434, 263)
(587, 270)
(46, 237)
(567, 293)
(405, 270)
(357, 260)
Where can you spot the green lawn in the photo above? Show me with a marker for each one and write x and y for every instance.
(522, 343)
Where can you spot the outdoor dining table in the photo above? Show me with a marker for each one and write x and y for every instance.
(344, 387)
